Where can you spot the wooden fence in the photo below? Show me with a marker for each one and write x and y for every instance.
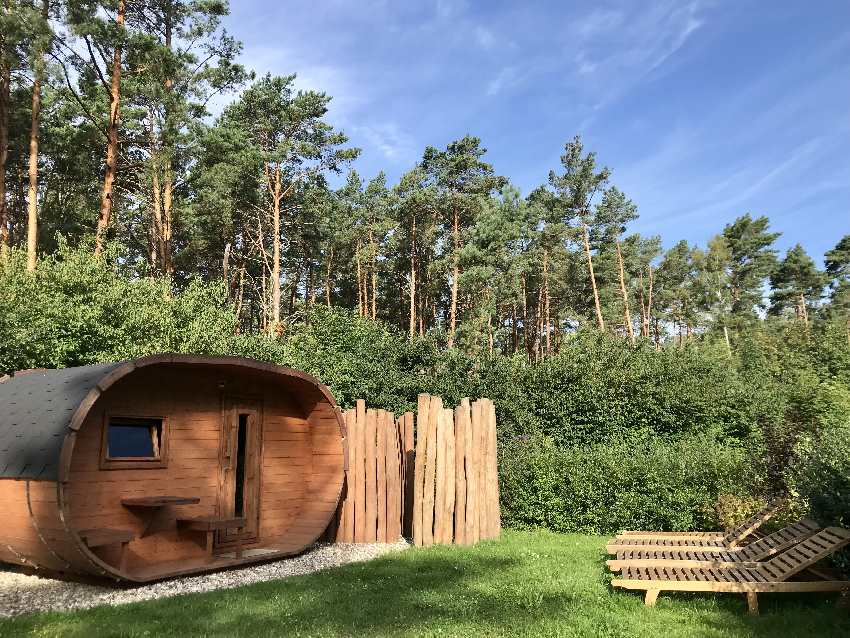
(446, 491)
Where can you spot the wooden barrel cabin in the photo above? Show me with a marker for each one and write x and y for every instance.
(167, 465)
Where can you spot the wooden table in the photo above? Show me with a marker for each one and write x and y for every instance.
(212, 524)
(150, 508)
(159, 501)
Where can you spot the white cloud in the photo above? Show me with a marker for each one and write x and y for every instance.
(389, 139)
(507, 78)
(619, 50)
(484, 37)
(449, 8)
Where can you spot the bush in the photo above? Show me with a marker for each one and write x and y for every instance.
(599, 437)
(75, 310)
(626, 483)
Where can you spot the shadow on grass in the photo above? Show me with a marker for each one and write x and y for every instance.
(527, 584)
(386, 596)
(809, 612)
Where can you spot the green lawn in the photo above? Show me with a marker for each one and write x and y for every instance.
(527, 584)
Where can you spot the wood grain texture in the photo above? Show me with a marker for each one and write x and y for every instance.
(435, 411)
(381, 474)
(293, 478)
(408, 472)
(360, 474)
(417, 516)
(371, 476)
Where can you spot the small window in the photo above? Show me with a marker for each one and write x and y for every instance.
(134, 442)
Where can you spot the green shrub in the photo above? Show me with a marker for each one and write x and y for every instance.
(598, 437)
(626, 483)
(821, 474)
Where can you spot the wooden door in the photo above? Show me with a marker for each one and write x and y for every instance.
(240, 457)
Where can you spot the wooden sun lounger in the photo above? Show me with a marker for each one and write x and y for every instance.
(750, 578)
(732, 537)
(770, 545)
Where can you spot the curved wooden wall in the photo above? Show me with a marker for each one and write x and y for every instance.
(301, 482)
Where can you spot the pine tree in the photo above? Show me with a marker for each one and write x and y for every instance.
(461, 179)
(751, 261)
(797, 284)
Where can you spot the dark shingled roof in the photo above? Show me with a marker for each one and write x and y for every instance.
(35, 410)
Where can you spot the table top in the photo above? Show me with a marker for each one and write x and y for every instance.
(159, 501)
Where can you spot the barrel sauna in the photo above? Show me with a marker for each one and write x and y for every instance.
(166, 465)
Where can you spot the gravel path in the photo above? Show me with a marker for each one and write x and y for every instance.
(21, 593)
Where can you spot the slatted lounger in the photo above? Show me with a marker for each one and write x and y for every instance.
(732, 537)
(759, 550)
(707, 540)
(748, 578)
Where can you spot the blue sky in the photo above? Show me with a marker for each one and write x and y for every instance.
(703, 109)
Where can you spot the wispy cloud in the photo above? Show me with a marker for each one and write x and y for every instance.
(507, 78)
(388, 138)
(620, 50)
(484, 37)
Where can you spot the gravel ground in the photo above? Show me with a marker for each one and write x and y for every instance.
(22, 593)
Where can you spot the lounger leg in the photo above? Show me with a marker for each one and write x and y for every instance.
(651, 597)
(753, 603)
(122, 561)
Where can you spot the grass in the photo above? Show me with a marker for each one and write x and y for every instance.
(527, 584)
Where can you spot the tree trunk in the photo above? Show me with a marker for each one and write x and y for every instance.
(642, 302)
(726, 337)
(32, 193)
(106, 199)
(525, 324)
(649, 302)
(514, 335)
(276, 252)
(168, 174)
(490, 332)
(413, 278)
(627, 317)
(374, 251)
(455, 276)
(156, 215)
(657, 337)
(328, 277)
(360, 301)
(225, 269)
(167, 217)
(5, 87)
(240, 295)
(599, 319)
(804, 311)
(546, 299)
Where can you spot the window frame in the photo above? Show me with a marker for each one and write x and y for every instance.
(131, 462)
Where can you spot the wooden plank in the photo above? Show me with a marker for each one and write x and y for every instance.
(345, 531)
(494, 515)
(417, 515)
(430, 471)
(480, 433)
(393, 479)
(470, 498)
(408, 472)
(440, 481)
(449, 485)
(360, 473)
(381, 474)
(371, 476)
(460, 475)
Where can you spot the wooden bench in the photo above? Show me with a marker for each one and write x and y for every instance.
(210, 525)
(103, 537)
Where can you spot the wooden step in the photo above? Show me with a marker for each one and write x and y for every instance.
(101, 537)
(210, 523)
